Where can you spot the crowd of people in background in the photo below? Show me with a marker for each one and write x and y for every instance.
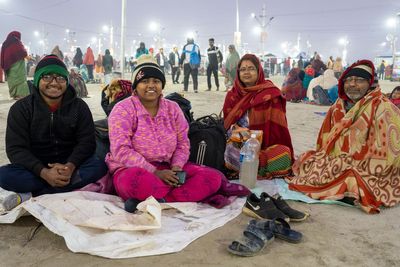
(307, 79)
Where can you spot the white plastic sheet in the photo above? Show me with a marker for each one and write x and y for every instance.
(97, 224)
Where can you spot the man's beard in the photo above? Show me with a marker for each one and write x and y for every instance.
(355, 94)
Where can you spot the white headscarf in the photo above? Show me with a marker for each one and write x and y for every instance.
(326, 81)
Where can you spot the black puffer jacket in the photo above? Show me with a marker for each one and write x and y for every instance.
(35, 136)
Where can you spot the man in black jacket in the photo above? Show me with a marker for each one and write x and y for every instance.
(214, 62)
(174, 62)
(50, 138)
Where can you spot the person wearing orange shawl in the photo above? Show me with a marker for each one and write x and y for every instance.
(257, 104)
(357, 159)
(12, 61)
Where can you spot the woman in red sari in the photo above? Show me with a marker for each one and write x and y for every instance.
(257, 104)
(12, 60)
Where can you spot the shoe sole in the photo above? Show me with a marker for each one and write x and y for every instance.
(301, 219)
(251, 213)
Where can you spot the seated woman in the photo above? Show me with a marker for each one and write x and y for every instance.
(323, 89)
(257, 104)
(357, 155)
(292, 87)
(309, 74)
(149, 144)
(395, 96)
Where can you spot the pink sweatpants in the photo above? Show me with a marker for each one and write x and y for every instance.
(201, 182)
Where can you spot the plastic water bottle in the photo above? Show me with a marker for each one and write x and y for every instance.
(249, 162)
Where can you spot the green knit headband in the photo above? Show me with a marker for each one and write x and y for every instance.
(50, 69)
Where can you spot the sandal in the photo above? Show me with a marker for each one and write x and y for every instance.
(280, 228)
(254, 240)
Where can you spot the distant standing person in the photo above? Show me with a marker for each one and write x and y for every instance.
(382, 70)
(214, 61)
(141, 50)
(329, 64)
(89, 62)
(161, 59)
(174, 62)
(300, 63)
(13, 55)
(231, 65)
(78, 58)
(57, 51)
(108, 63)
(190, 53)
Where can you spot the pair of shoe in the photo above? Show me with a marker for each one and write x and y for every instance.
(258, 234)
(196, 91)
(209, 89)
(267, 207)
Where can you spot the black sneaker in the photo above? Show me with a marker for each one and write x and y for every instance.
(262, 208)
(294, 215)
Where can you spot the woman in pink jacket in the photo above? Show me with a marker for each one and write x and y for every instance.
(149, 144)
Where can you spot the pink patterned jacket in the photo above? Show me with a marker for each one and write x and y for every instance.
(137, 139)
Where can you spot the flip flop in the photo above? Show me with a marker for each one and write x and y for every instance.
(252, 243)
(280, 228)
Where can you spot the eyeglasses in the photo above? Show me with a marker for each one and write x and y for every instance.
(50, 78)
(249, 69)
(357, 80)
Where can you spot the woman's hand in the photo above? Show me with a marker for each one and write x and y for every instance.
(176, 169)
(168, 176)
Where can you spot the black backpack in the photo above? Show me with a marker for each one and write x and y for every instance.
(184, 104)
(102, 139)
(208, 141)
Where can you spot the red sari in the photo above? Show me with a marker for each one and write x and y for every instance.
(267, 112)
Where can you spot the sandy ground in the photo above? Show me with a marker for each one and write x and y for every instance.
(333, 235)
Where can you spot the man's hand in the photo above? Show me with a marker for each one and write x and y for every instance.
(53, 177)
(63, 169)
(168, 176)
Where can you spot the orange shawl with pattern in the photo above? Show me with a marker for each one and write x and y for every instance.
(358, 155)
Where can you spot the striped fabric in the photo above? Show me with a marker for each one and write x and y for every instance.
(275, 161)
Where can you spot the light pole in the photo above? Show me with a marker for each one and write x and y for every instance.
(237, 36)
(122, 51)
(261, 19)
(392, 38)
(344, 42)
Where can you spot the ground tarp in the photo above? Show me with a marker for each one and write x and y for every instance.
(97, 224)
